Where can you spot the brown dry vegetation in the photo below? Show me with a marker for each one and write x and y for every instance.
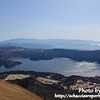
(9, 91)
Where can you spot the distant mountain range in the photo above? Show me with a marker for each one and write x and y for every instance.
(52, 43)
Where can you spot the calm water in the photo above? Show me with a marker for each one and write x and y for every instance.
(63, 66)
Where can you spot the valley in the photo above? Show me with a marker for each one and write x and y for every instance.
(46, 84)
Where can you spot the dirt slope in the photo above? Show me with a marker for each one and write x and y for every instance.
(9, 91)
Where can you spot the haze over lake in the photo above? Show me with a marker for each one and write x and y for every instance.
(63, 66)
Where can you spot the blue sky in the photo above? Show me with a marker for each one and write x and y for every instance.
(50, 19)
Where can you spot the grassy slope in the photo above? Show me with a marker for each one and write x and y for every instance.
(9, 91)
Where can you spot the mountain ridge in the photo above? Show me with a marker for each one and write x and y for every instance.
(51, 83)
(53, 43)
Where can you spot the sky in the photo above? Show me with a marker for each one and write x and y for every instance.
(50, 19)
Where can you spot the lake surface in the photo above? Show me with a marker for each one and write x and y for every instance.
(63, 66)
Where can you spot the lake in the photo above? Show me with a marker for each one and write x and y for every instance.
(63, 66)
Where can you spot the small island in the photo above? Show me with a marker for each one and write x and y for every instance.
(41, 57)
(9, 63)
(12, 64)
